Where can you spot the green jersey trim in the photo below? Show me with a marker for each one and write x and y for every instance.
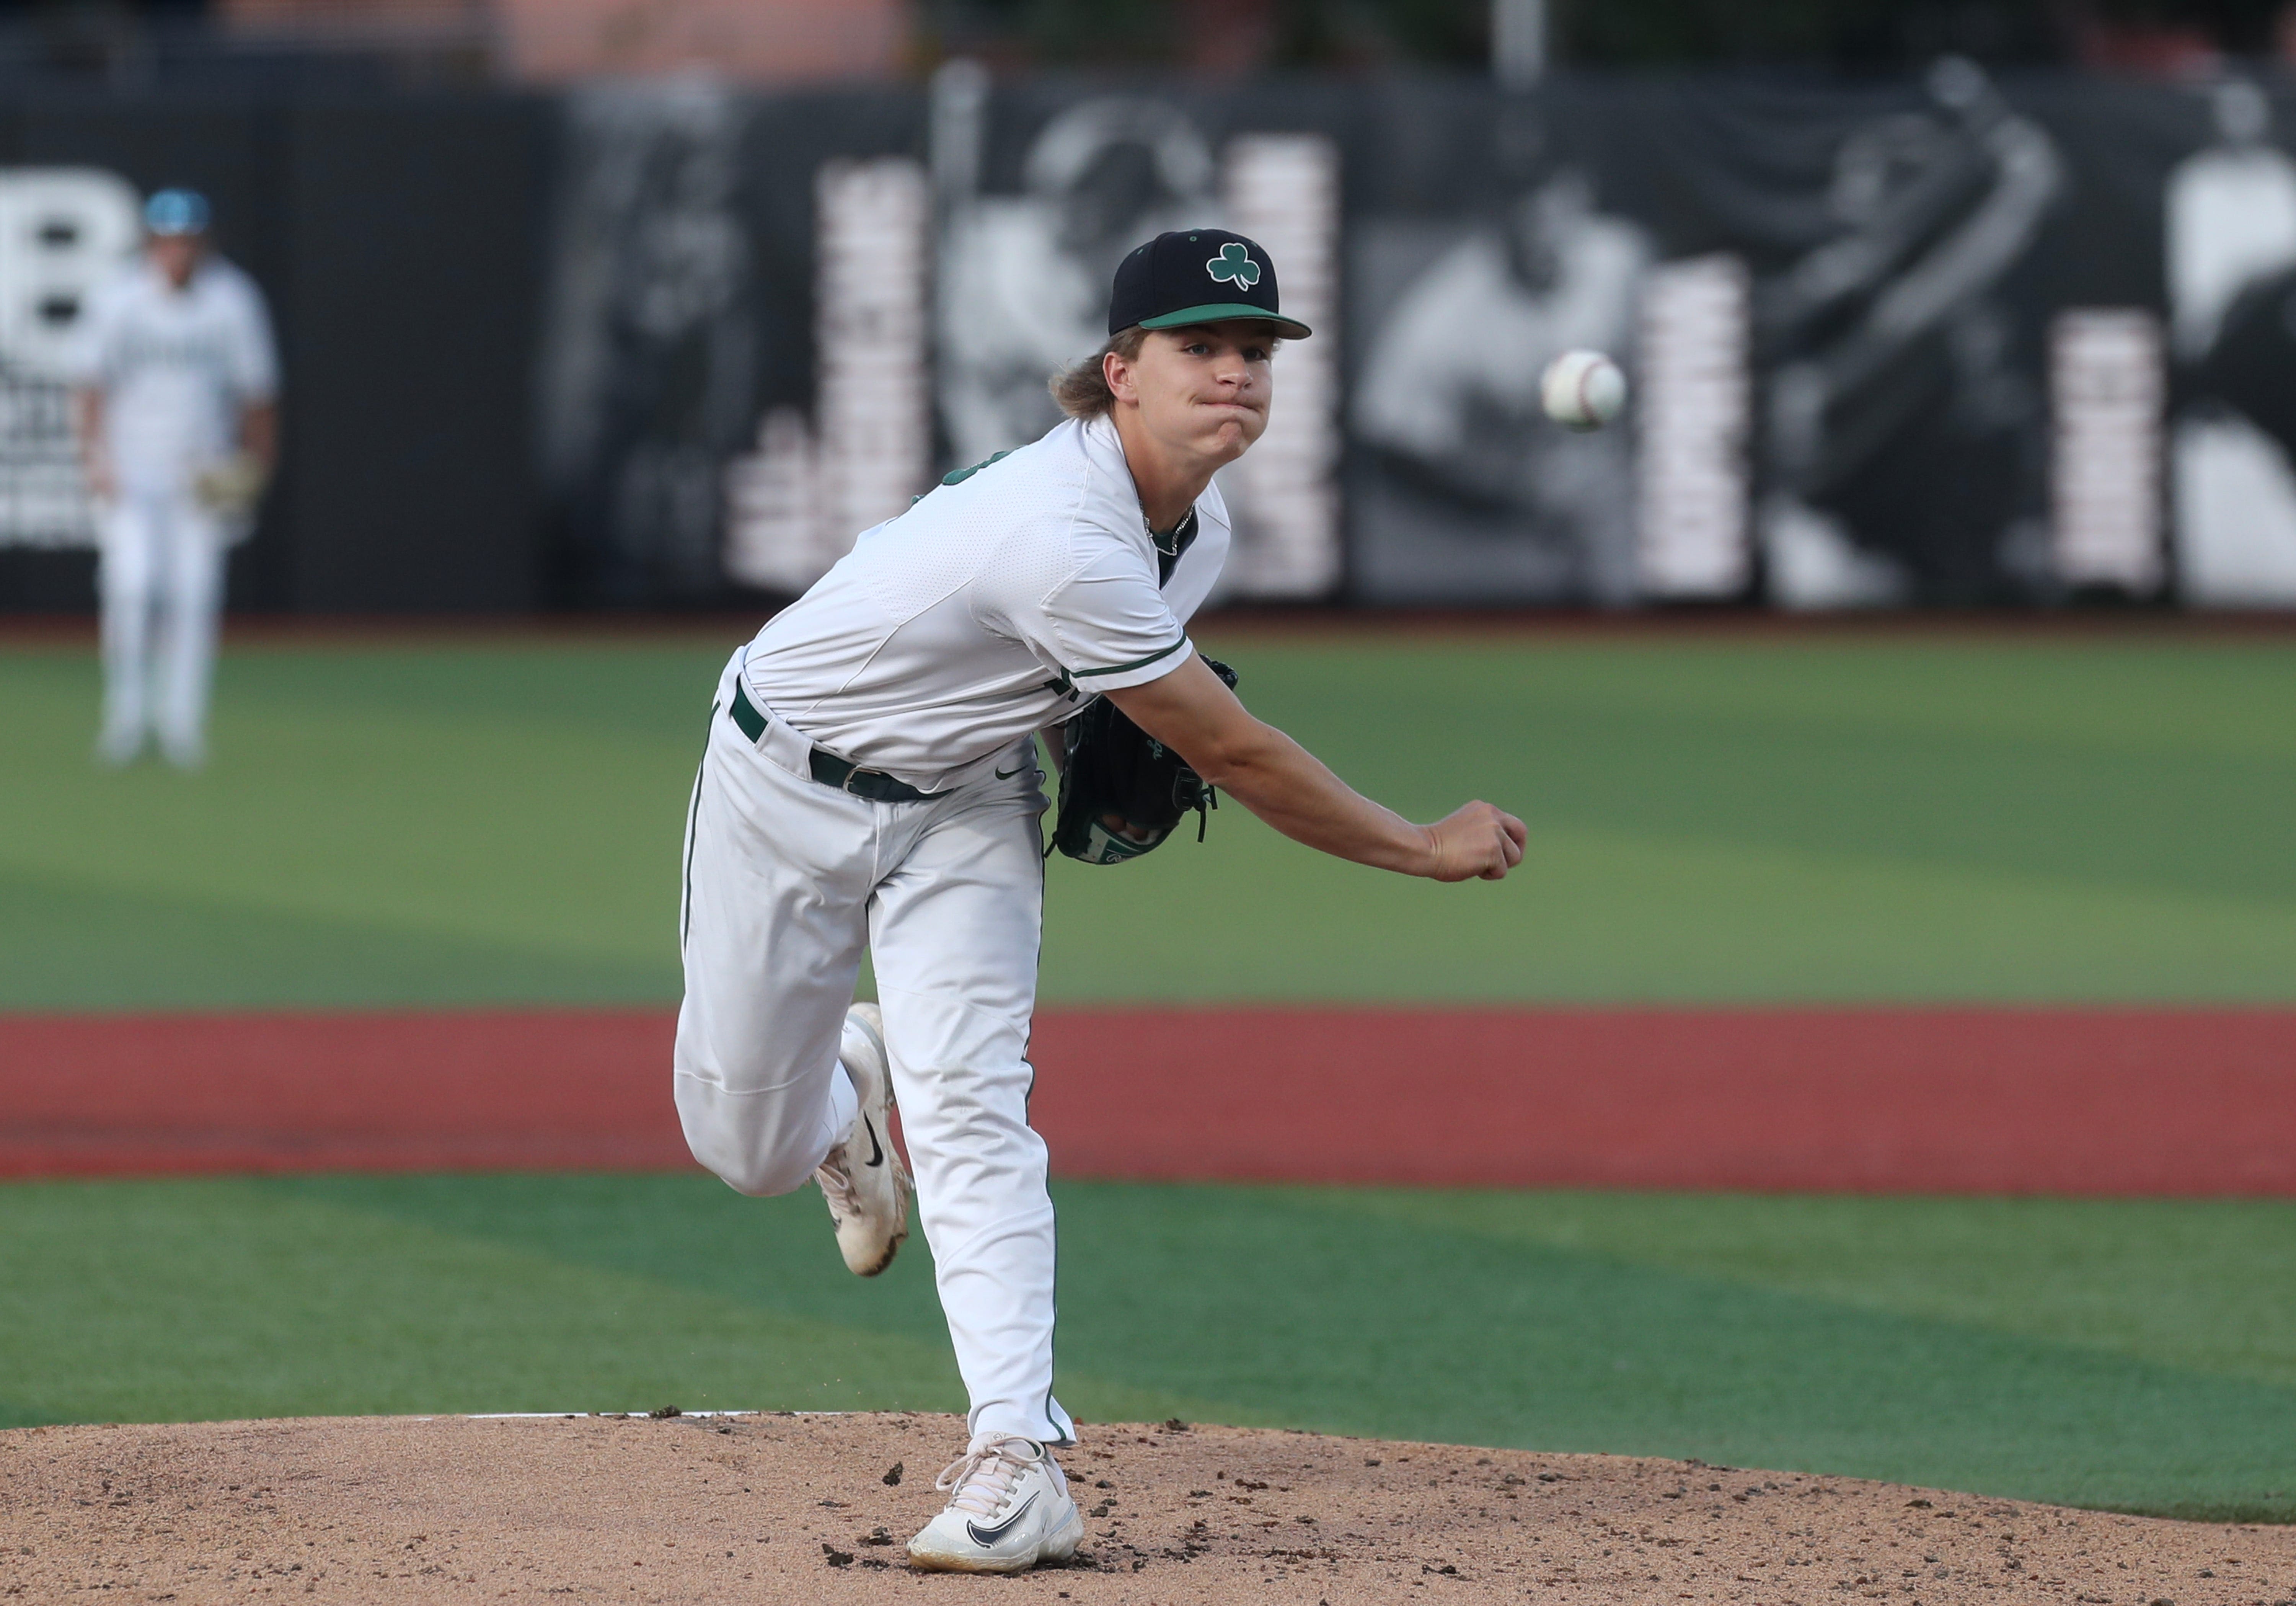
(1119, 669)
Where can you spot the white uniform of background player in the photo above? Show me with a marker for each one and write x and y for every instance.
(930, 654)
(179, 375)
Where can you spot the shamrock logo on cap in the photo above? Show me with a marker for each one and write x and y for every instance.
(1234, 262)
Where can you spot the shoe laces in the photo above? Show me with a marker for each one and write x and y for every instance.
(983, 1476)
(837, 1187)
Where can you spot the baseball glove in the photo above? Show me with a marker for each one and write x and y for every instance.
(231, 489)
(1122, 791)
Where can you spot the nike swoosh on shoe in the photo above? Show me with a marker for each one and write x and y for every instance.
(876, 1150)
(988, 1536)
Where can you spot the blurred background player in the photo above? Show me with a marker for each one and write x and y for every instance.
(179, 424)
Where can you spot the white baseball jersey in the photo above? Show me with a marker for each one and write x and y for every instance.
(176, 366)
(994, 607)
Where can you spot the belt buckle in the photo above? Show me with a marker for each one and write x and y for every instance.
(850, 776)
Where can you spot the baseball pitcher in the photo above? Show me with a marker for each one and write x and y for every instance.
(179, 424)
(869, 782)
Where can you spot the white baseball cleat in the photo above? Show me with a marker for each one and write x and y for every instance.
(1010, 1510)
(863, 1179)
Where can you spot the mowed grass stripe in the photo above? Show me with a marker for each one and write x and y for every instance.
(68, 946)
(425, 821)
(2148, 765)
(1401, 1329)
(1820, 821)
(2198, 1285)
(1605, 915)
(1794, 1334)
(216, 1299)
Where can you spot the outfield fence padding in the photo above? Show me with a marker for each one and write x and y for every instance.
(1954, 340)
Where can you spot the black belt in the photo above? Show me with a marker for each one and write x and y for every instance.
(827, 768)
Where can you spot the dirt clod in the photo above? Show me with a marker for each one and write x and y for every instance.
(596, 1508)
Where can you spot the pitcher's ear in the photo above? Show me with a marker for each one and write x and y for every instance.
(1116, 373)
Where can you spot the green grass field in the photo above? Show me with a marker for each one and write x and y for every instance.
(1760, 822)
(1712, 822)
(2140, 1355)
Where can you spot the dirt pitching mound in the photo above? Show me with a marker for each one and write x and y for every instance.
(764, 1510)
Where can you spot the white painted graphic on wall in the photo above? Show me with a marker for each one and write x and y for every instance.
(650, 333)
(1023, 285)
(63, 232)
(1472, 493)
(795, 506)
(2106, 385)
(1283, 190)
(1893, 341)
(1692, 540)
(2231, 226)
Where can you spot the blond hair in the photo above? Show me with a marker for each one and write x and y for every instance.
(1082, 391)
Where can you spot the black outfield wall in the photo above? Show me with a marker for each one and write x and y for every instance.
(1940, 341)
(397, 239)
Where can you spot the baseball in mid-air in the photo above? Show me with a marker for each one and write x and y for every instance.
(1582, 390)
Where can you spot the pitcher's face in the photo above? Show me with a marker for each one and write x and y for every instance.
(1204, 390)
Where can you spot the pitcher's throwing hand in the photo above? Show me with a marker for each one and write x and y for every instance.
(1476, 841)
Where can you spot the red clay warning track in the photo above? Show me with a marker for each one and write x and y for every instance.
(2138, 1101)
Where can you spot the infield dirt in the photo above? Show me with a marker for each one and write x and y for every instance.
(777, 1508)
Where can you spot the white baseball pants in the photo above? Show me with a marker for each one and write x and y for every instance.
(787, 881)
(159, 574)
